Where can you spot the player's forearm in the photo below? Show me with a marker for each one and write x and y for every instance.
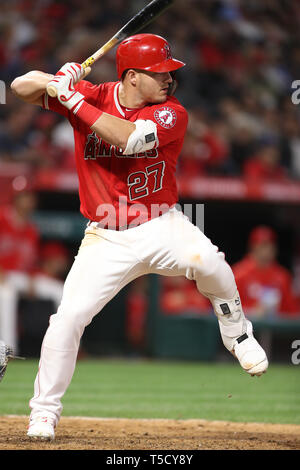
(31, 86)
(113, 130)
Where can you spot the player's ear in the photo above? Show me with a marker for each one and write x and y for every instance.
(131, 75)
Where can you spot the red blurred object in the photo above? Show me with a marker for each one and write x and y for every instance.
(211, 54)
(56, 11)
(45, 120)
(136, 317)
(257, 169)
(19, 242)
(54, 250)
(255, 283)
(201, 154)
(262, 234)
(136, 307)
(180, 295)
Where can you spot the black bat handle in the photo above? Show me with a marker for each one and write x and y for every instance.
(143, 18)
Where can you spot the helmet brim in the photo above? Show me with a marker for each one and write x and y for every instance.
(166, 66)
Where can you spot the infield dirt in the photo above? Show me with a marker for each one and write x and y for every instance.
(144, 434)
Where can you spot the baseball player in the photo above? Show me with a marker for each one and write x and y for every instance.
(128, 135)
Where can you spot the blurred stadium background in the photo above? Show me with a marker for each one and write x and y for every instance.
(241, 159)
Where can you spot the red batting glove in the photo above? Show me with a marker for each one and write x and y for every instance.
(64, 82)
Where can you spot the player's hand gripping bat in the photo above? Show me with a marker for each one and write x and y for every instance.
(139, 21)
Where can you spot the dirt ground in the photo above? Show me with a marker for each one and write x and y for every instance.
(163, 434)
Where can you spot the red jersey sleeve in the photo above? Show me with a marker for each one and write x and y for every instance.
(171, 120)
(90, 91)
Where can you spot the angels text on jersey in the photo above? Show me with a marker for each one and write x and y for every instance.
(96, 147)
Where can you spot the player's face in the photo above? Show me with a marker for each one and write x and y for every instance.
(153, 86)
(264, 252)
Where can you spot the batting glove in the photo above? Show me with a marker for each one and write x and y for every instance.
(64, 82)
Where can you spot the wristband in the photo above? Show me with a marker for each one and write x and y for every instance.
(87, 113)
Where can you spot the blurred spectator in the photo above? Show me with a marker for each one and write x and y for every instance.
(15, 134)
(63, 141)
(19, 250)
(265, 165)
(296, 270)
(26, 268)
(290, 145)
(37, 138)
(136, 313)
(19, 237)
(206, 146)
(180, 295)
(264, 285)
(242, 134)
(48, 280)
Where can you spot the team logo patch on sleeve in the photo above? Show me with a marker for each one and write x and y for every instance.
(166, 117)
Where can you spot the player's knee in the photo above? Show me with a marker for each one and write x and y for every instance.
(65, 329)
(207, 260)
(73, 317)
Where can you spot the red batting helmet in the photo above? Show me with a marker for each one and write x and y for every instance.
(146, 52)
(262, 234)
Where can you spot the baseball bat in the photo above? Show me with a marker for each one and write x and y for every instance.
(137, 22)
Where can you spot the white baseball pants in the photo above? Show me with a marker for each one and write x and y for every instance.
(108, 260)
